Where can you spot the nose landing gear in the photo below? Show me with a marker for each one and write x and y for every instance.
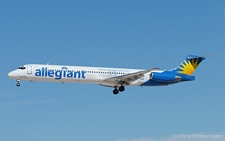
(18, 83)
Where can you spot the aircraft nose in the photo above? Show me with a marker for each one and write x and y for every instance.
(11, 74)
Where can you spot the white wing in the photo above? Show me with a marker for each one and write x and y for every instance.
(128, 78)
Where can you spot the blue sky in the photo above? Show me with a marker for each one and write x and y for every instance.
(128, 34)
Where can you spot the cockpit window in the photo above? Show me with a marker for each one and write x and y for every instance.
(22, 68)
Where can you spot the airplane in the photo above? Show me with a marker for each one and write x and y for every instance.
(116, 78)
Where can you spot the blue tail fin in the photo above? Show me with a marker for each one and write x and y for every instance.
(190, 64)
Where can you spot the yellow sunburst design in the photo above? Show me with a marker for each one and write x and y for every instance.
(188, 67)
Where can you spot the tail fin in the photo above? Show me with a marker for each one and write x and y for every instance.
(190, 64)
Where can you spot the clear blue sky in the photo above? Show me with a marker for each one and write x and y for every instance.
(131, 34)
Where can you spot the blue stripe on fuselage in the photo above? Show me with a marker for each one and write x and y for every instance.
(154, 83)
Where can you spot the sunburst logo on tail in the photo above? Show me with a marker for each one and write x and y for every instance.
(189, 66)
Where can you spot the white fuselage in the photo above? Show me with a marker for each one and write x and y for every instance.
(76, 74)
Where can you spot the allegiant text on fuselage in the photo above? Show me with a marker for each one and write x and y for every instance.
(58, 74)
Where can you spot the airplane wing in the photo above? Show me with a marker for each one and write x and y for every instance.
(128, 78)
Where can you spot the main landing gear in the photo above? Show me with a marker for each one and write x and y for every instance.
(18, 83)
(121, 89)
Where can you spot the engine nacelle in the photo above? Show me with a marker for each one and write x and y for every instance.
(164, 77)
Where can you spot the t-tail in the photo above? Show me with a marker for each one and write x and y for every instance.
(181, 73)
(190, 64)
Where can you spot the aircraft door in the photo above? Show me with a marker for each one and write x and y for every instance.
(29, 69)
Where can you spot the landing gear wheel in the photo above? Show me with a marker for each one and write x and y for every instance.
(115, 91)
(18, 83)
(121, 88)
